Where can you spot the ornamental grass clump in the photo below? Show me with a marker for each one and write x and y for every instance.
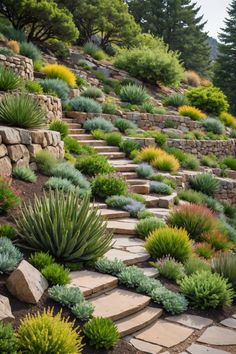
(66, 171)
(101, 332)
(118, 201)
(128, 146)
(113, 139)
(58, 71)
(166, 163)
(205, 183)
(225, 265)
(9, 80)
(160, 188)
(228, 119)
(204, 250)
(63, 225)
(207, 290)
(195, 264)
(21, 111)
(98, 123)
(58, 183)
(144, 170)
(195, 219)
(175, 100)
(169, 241)
(104, 186)
(124, 124)
(46, 162)
(93, 92)
(85, 104)
(55, 86)
(6, 230)
(148, 225)
(170, 269)
(10, 256)
(48, 333)
(25, 174)
(30, 50)
(93, 165)
(8, 196)
(214, 126)
(133, 94)
(192, 112)
(60, 127)
(41, 260)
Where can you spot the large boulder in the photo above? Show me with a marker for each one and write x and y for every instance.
(26, 283)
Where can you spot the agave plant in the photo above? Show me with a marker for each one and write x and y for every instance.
(63, 226)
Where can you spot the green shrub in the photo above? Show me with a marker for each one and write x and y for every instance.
(194, 265)
(60, 216)
(46, 162)
(172, 302)
(134, 208)
(213, 204)
(10, 256)
(30, 50)
(191, 112)
(206, 290)
(168, 241)
(118, 201)
(195, 219)
(56, 274)
(6, 230)
(8, 340)
(41, 260)
(176, 100)
(151, 64)
(58, 183)
(59, 48)
(98, 134)
(98, 123)
(230, 162)
(46, 333)
(148, 107)
(33, 87)
(161, 178)
(160, 188)
(160, 138)
(107, 266)
(66, 296)
(83, 311)
(93, 165)
(58, 86)
(92, 92)
(128, 145)
(148, 225)
(133, 94)
(233, 134)
(205, 183)
(7, 52)
(74, 146)
(213, 125)
(9, 80)
(191, 163)
(67, 171)
(138, 197)
(85, 104)
(144, 214)
(124, 124)
(101, 332)
(210, 161)
(8, 197)
(208, 98)
(109, 107)
(60, 127)
(131, 277)
(204, 249)
(225, 265)
(92, 49)
(170, 269)
(104, 186)
(144, 170)
(25, 174)
(191, 196)
(113, 139)
(21, 111)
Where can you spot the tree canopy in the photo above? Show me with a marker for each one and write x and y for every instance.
(179, 24)
(225, 71)
(40, 19)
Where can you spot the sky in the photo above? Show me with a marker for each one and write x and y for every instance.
(214, 12)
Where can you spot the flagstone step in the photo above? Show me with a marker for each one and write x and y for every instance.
(122, 242)
(121, 227)
(140, 188)
(136, 181)
(151, 201)
(150, 272)
(68, 120)
(106, 148)
(93, 142)
(113, 213)
(75, 130)
(127, 257)
(125, 168)
(82, 136)
(160, 212)
(91, 283)
(118, 304)
(167, 201)
(112, 155)
(138, 321)
(99, 205)
(129, 175)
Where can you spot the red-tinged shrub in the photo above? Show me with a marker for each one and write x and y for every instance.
(195, 219)
(8, 196)
(204, 249)
(218, 241)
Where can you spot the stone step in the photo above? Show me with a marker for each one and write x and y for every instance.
(82, 136)
(160, 212)
(113, 214)
(140, 188)
(93, 142)
(128, 257)
(91, 283)
(112, 155)
(118, 304)
(138, 321)
(137, 181)
(125, 168)
(99, 205)
(106, 148)
(167, 201)
(68, 120)
(151, 201)
(75, 130)
(121, 227)
(74, 126)
(129, 175)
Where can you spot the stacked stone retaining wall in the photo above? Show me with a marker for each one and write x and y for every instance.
(19, 64)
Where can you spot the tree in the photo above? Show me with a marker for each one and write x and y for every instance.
(110, 20)
(225, 69)
(40, 19)
(180, 26)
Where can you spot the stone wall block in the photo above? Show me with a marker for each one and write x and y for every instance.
(10, 135)
(5, 166)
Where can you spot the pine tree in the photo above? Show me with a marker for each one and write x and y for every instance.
(225, 70)
(180, 25)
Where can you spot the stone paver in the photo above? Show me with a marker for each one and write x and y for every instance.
(120, 227)
(218, 336)
(5, 308)
(139, 320)
(92, 282)
(151, 201)
(229, 322)
(118, 304)
(192, 321)
(150, 272)
(202, 349)
(145, 346)
(136, 249)
(113, 214)
(127, 257)
(165, 334)
(123, 242)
